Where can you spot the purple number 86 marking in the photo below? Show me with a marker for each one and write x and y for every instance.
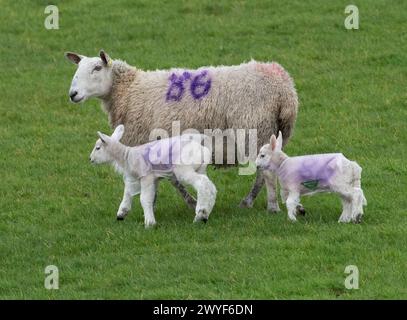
(199, 86)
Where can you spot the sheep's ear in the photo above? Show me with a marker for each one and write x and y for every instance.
(73, 57)
(118, 132)
(279, 141)
(105, 58)
(103, 137)
(273, 142)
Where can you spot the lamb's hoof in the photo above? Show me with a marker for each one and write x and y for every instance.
(202, 215)
(120, 218)
(301, 210)
(358, 219)
(149, 225)
(246, 203)
(273, 208)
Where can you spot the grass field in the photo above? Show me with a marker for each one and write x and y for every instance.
(56, 208)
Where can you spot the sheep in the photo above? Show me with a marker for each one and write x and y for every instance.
(254, 95)
(310, 174)
(142, 166)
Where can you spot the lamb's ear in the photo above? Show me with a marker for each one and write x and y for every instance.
(73, 57)
(273, 142)
(103, 137)
(118, 132)
(279, 141)
(105, 58)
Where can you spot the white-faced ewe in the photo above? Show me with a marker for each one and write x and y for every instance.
(306, 175)
(252, 95)
(142, 166)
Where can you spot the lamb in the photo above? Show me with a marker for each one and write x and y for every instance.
(310, 174)
(254, 95)
(182, 156)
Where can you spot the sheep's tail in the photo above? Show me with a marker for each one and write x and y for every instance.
(288, 110)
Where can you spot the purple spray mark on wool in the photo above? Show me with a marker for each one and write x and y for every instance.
(201, 84)
(176, 89)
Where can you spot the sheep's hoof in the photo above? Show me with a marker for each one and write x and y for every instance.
(246, 203)
(301, 210)
(120, 218)
(358, 218)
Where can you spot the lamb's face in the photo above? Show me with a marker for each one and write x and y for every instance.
(264, 157)
(99, 153)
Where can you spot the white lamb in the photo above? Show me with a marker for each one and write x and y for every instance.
(306, 175)
(182, 156)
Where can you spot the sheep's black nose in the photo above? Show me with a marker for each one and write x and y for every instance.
(73, 94)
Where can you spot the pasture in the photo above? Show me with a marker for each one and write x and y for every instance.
(57, 209)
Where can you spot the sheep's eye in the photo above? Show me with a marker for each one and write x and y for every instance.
(262, 156)
(97, 148)
(97, 68)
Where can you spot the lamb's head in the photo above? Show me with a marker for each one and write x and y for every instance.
(271, 155)
(93, 78)
(105, 146)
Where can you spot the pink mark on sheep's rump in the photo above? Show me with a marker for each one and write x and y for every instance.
(272, 69)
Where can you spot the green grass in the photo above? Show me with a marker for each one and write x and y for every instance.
(57, 209)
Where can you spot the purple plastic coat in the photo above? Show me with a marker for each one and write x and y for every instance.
(310, 173)
(160, 156)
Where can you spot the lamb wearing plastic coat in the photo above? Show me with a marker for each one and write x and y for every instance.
(183, 156)
(309, 174)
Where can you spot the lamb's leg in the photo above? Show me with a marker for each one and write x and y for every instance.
(357, 172)
(247, 202)
(292, 202)
(346, 210)
(131, 188)
(284, 195)
(190, 200)
(359, 202)
(271, 185)
(349, 199)
(147, 199)
(206, 190)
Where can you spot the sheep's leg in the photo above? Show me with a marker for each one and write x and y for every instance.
(155, 192)
(292, 203)
(271, 185)
(190, 200)
(147, 199)
(206, 190)
(247, 202)
(131, 188)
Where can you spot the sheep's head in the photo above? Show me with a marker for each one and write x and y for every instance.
(270, 154)
(93, 78)
(104, 147)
